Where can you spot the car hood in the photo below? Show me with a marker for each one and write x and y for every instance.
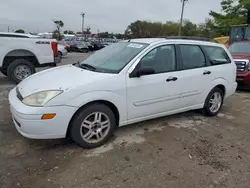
(59, 78)
(241, 56)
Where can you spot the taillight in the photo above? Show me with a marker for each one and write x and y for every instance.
(54, 46)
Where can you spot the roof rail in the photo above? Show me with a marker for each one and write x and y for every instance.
(189, 38)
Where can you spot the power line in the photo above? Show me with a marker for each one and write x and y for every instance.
(182, 12)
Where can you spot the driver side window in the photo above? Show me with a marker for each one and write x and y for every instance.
(161, 59)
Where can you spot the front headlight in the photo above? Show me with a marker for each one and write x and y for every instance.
(41, 98)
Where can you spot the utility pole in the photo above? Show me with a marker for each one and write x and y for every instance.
(82, 14)
(182, 11)
(8, 29)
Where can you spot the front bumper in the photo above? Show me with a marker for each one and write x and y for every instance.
(28, 120)
(243, 78)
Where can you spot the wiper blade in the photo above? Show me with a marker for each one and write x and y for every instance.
(87, 66)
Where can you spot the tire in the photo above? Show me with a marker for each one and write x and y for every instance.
(79, 134)
(4, 72)
(207, 110)
(27, 66)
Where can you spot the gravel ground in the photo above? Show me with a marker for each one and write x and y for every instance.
(186, 150)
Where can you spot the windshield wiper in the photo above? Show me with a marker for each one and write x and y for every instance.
(83, 65)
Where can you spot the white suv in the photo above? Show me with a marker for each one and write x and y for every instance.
(123, 83)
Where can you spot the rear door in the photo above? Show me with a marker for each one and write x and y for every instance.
(220, 65)
(195, 75)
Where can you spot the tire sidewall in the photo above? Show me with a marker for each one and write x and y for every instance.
(206, 106)
(74, 129)
(14, 64)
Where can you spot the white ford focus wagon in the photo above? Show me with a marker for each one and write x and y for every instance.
(123, 83)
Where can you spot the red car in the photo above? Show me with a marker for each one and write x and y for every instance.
(241, 55)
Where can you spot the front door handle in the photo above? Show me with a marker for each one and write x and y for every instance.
(171, 78)
(206, 72)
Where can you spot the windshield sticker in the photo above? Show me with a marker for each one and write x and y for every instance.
(135, 45)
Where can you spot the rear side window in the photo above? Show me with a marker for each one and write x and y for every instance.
(192, 57)
(216, 55)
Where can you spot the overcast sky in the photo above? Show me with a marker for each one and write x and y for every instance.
(105, 15)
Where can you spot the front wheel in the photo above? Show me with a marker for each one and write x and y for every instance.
(92, 126)
(213, 102)
(20, 69)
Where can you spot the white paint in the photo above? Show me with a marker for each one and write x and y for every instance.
(156, 96)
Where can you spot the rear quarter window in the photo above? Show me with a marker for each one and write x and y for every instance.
(216, 55)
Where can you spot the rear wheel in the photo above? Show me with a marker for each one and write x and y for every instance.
(92, 126)
(20, 69)
(213, 102)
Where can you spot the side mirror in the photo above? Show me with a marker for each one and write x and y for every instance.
(141, 72)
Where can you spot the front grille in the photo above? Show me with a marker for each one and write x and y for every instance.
(18, 94)
(242, 66)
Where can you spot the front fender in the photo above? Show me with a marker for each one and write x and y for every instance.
(118, 100)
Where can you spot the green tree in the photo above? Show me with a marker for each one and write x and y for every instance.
(246, 5)
(57, 33)
(19, 31)
(88, 30)
(233, 13)
(140, 29)
(69, 32)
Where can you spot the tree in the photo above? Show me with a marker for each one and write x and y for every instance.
(19, 31)
(140, 29)
(69, 32)
(234, 12)
(246, 5)
(57, 33)
(103, 35)
(88, 30)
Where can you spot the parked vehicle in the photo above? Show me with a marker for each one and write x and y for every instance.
(64, 43)
(80, 46)
(241, 55)
(222, 40)
(97, 45)
(20, 54)
(90, 46)
(124, 83)
(239, 33)
(62, 50)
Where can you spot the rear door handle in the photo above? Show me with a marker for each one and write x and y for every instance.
(206, 72)
(171, 78)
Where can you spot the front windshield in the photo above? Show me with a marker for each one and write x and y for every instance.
(240, 48)
(113, 58)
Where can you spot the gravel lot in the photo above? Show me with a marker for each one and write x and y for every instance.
(182, 151)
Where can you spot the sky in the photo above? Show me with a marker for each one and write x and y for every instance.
(103, 15)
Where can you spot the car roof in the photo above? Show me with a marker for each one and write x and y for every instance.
(182, 41)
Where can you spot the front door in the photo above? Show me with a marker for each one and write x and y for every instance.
(156, 93)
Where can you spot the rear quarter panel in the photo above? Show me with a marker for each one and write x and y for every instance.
(43, 52)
